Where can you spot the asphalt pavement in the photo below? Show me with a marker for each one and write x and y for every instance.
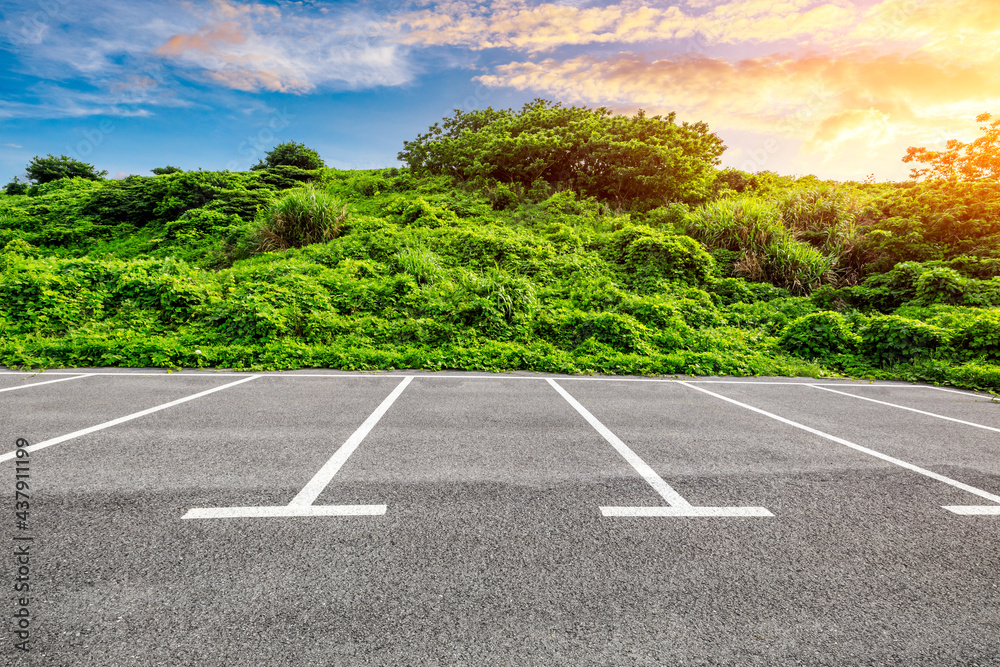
(411, 518)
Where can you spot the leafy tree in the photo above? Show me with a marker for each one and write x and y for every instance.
(169, 169)
(975, 161)
(641, 160)
(293, 155)
(50, 168)
(16, 187)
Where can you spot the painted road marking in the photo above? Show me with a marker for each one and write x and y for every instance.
(122, 420)
(903, 407)
(678, 506)
(37, 384)
(283, 510)
(302, 503)
(972, 509)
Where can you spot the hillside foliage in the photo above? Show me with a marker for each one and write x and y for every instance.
(397, 268)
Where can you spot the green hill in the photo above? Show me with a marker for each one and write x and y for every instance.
(283, 267)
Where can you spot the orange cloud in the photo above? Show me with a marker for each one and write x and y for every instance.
(209, 39)
(823, 103)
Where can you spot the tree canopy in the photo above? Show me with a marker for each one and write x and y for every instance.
(978, 160)
(646, 160)
(169, 169)
(291, 154)
(51, 168)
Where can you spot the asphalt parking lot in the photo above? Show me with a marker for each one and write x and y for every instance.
(409, 518)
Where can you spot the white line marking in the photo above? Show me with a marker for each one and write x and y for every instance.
(802, 383)
(903, 407)
(678, 505)
(974, 509)
(284, 510)
(885, 457)
(673, 498)
(121, 420)
(962, 392)
(302, 503)
(36, 384)
(311, 491)
(685, 511)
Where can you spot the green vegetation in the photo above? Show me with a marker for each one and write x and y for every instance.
(978, 160)
(50, 168)
(637, 162)
(291, 154)
(169, 169)
(286, 267)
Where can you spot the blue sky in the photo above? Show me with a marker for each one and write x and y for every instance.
(837, 88)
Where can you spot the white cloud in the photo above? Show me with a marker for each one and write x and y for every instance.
(137, 55)
(537, 27)
(261, 47)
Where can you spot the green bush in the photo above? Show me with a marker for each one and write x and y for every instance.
(818, 335)
(368, 185)
(648, 256)
(978, 336)
(290, 154)
(51, 168)
(888, 339)
(15, 187)
(940, 285)
(568, 329)
(170, 289)
(641, 160)
(750, 226)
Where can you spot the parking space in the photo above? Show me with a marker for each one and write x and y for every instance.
(484, 536)
(964, 453)
(18, 381)
(949, 404)
(46, 411)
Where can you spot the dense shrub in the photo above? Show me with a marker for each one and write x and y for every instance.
(940, 285)
(648, 257)
(640, 160)
(291, 154)
(978, 336)
(891, 339)
(817, 335)
(52, 168)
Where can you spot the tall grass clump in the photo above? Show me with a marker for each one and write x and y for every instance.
(421, 263)
(300, 217)
(751, 225)
(833, 221)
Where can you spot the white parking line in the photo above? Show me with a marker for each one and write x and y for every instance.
(957, 509)
(903, 407)
(302, 503)
(37, 384)
(678, 506)
(121, 420)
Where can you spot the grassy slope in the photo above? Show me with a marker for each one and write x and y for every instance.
(160, 272)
